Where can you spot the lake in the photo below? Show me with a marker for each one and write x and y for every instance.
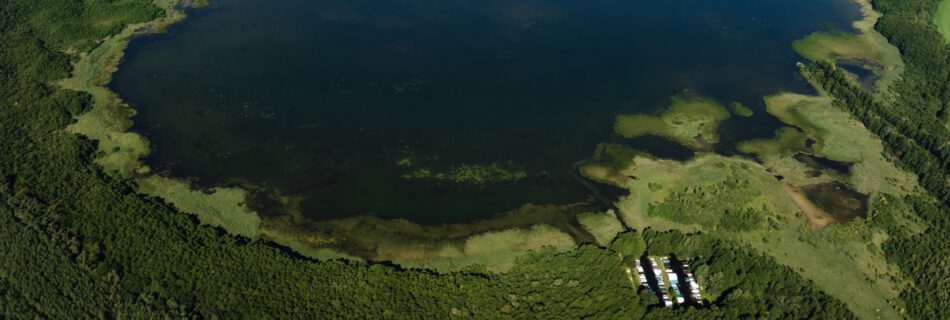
(442, 111)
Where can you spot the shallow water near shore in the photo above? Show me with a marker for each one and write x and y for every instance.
(445, 111)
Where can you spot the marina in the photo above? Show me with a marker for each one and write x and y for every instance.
(670, 279)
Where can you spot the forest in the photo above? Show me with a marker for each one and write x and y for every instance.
(79, 243)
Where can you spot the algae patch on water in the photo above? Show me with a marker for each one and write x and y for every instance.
(476, 174)
(690, 120)
(741, 110)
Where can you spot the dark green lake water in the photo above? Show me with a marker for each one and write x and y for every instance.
(323, 98)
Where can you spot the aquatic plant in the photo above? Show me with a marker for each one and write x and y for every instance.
(471, 173)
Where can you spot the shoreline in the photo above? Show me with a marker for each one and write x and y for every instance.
(109, 121)
(225, 207)
(122, 151)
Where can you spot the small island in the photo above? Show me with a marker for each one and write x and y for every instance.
(690, 120)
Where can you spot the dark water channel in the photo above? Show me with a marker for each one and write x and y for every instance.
(342, 103)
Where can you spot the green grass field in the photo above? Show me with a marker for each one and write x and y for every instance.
(942, 19)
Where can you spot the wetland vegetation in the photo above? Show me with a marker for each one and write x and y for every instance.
(690, 121)
(99, 226)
